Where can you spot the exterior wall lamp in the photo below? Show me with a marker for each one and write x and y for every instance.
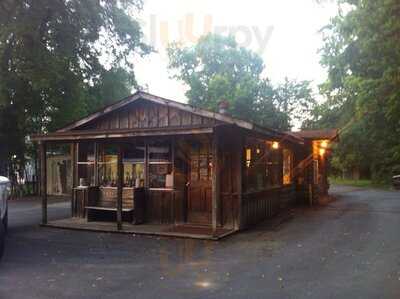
(275, 145)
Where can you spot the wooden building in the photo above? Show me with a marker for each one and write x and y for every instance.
(148, 164)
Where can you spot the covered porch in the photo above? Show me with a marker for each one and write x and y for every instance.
(152, 184)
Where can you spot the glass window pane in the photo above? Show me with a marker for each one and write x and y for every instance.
(108, 165)
(86, 152)
(86, 164)
(133, 163)
(133, 154)
(86, 174)
(274, 167)
(160, 152)
(160, 165)
(255, 173)
(287, 166)
(160, 176)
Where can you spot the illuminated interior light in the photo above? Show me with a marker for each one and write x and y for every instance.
(322, 151)
(248, 154)
(324, 144)
(275, 145)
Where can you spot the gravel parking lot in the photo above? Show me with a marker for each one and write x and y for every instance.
(349, 248)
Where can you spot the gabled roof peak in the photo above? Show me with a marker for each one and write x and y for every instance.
(141, 95)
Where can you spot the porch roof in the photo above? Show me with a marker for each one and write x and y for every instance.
(120, 133)
(323, 134)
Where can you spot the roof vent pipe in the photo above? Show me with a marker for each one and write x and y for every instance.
(223, 107)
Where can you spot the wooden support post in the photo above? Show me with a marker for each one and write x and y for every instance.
(96, 165)
(215, 182)
(146, 166)
(43, 180)
(36, 177)
(239, 181)
(74, 162)
(74, 175)
(120, 178)
(173, 206)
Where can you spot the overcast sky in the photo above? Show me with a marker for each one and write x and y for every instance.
(283, 32)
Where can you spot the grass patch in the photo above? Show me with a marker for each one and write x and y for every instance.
(359, 183)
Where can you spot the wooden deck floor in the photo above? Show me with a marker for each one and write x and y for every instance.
(180, 231)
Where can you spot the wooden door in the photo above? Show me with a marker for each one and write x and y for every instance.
(199, 184)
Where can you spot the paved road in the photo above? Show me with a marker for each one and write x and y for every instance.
(349, 248)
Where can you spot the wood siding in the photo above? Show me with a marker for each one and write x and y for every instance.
(160, 207)
(146, 115)
(230, 170)
(259, 206)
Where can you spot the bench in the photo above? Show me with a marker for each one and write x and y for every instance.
(106, 202)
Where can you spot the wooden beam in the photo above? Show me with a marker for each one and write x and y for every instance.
(120, 133)
(146, 166)
(120, 178)
(36, 178)
(239, 181)
(173, 145)
(96, 165)
(215, 182)
(74, 162)
(43, 180)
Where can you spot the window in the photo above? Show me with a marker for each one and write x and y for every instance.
(200, 160)
(287, 167)
(85, 164)
(160, 166)
(262, 165)
(274, 165)
(133, 163)
(255, 165)
(108, 166)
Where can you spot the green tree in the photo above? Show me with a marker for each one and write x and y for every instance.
(57, 58)
(362, 55)
(295, 99)
(216, 69)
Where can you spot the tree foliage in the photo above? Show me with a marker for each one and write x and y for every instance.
(58, 59)
(362, 54)
(216, 69)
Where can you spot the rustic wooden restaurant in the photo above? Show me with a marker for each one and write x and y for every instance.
(149, 165)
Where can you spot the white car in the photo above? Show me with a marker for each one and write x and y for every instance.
(5, 188)
(396, 182)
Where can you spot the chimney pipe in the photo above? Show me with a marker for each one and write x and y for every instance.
(223, 107)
